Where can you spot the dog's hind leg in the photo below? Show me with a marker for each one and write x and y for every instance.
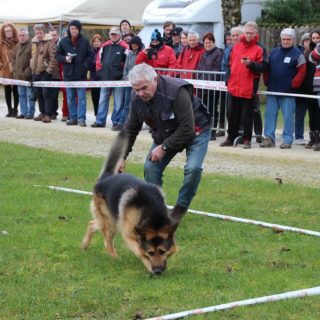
(91, 229)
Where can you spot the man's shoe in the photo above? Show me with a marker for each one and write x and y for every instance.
(54, 117)
(29, 117)
(213, 136)
(285, 145)
(267, 143)
(98, 125)
(246, 144)
(72, 122)
(220, 134)
(82, 124)
(116, 127)
(20, 116)
(226, 143)
(64, 118)
(259, 139)
(38, 117)
(46, 119)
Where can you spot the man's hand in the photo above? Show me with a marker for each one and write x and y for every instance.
(121, 166)
(157, 153)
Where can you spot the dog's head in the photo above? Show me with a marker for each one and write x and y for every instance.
(157, 246)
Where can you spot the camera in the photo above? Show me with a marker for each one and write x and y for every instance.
(152, 54)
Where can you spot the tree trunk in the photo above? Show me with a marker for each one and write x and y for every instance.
(231, 12)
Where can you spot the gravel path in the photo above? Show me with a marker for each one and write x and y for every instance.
(297, 165)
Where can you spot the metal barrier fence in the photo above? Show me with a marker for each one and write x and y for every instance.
(215, 100)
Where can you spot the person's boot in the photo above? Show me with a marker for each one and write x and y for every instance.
(9, 114)
(316, 146)
(178, 212)
(310, 143)
(14, 112)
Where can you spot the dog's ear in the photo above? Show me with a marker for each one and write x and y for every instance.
(171, 227)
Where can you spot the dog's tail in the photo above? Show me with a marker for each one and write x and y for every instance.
(117, 152)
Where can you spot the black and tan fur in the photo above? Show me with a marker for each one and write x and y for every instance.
(123, 203)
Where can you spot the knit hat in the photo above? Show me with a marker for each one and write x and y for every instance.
(124, 20)
(75, 23)
(156, 36)
(176, 31)
(288, 32)
(305, 36)
(136, 40)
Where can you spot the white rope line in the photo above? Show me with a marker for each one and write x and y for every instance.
(277, 297)
(198, 84)
(214, 215)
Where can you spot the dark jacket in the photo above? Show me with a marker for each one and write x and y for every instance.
(287, 69)
(21, 61)
(77, 69)
(210, 61)
(175, 116)
(111, 60)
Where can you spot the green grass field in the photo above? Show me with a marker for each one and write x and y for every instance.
(45, 275)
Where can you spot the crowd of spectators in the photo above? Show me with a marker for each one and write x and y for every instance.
(289, 68)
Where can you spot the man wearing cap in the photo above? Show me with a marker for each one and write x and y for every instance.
(110, 63)
(176, 45)
(157, 55)
(286, 72)
(75, 53)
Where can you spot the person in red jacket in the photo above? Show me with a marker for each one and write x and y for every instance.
(190, 55)
(157, 55)
(246, 62)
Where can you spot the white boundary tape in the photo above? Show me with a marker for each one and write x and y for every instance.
(198, 84)
(277, 297)
(215, 215)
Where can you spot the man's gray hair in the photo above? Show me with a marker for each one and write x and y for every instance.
(251, 24)
(25, 30)
(288, 32)
(194, 33)
(237, 29)
(142, 72)
(40, 27)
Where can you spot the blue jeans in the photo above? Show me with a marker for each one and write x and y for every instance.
(77, 112)
(287, 106)
(195, 152)
(126, 104)
(301, 110)
(27, 106)
(103, 107)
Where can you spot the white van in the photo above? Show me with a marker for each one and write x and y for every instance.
(192, 15)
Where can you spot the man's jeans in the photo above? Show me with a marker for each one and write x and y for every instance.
(287, 106)
(195, 152)
(77, 112)
(126, 104)
(27, 106)
(103, 108)
(301, 110)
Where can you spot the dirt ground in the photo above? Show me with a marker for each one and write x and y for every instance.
(298, 165)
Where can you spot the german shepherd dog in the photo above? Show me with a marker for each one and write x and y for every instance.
(136, 209)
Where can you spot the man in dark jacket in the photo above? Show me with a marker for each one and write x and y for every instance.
(178, 121)
(75, 52)
(110, 63)
(21, 71)
(286, 72)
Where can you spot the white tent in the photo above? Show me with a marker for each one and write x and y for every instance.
(98, 12)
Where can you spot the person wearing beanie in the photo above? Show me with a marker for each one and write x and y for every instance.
(157, 55)
(286, 72)
(176, 45)
(125, 27)
(75, 53)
